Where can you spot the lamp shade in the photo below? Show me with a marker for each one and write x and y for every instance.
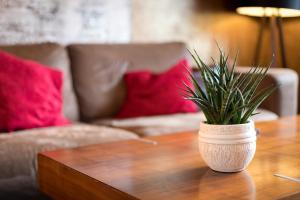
(260, 8)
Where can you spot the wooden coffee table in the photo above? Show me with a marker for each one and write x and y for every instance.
(170, 167)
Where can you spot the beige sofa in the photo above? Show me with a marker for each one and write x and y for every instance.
(93, 94)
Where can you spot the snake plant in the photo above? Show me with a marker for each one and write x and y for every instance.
(226, 97)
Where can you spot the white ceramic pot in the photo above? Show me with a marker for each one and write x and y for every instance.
(227, 148)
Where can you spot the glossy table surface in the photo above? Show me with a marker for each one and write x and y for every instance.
(171, 168)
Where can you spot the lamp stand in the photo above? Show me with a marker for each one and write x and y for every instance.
(259, 40)
(281, 41)
(275, 23)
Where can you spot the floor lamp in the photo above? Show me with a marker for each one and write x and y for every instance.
(271, 11)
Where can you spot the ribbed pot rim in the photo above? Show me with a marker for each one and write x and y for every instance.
(227, 134)
(226, 125)
(227, 141)
(226, 129)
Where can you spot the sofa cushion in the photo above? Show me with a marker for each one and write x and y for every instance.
(30, 94)
(166, 124)
(18, 151)
(55, 56)
(86, 59)
(151, 94)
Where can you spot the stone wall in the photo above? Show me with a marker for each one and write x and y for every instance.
(64, 21)
(169, 20)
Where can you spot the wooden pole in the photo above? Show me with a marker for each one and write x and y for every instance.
(273, 27)
(281, 41)
(259, 40)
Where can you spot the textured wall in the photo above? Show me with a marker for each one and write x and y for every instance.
(64, 21)
(169, 20)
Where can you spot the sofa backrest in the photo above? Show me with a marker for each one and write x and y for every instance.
(52, 55)
(97, 72)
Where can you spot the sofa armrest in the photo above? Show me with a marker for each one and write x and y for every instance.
(284, 101)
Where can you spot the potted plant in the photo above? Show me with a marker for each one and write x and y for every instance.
(227, 139)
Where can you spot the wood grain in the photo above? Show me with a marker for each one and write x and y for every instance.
(173, 169)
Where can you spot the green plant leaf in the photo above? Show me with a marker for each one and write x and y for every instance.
(226, 97)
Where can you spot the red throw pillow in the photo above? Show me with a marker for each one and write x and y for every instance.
(30, 95)
(156, 94)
